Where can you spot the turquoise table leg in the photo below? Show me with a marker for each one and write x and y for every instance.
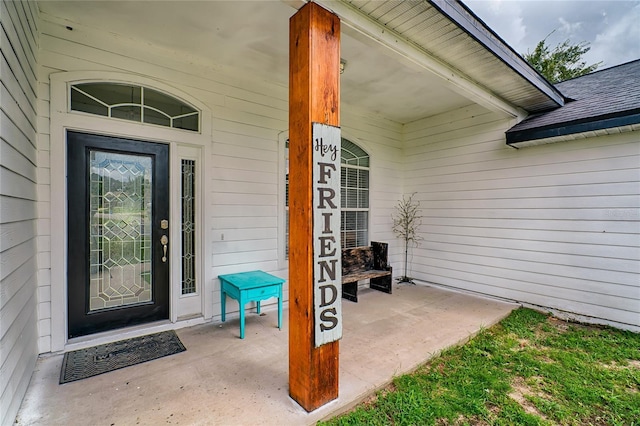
(223, 303)
(280, 307)
(241, 305)
(258, 306)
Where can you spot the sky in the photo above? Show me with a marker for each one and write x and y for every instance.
(611, 27)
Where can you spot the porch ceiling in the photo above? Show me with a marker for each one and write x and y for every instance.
(253, 36)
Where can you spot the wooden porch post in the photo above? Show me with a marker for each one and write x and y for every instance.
(314, 97)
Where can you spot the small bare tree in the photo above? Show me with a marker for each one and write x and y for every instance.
(406, 221)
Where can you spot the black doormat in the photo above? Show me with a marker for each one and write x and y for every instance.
(83, 363)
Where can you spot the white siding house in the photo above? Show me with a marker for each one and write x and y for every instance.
(20, 196)
(555, 226)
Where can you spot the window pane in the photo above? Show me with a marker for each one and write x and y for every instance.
(348, 220)
(286, 168)
(191, 122)
(81, 102)
(353, 154)
(349, 239)
(361, 238)
(167, 104)
(352, 198)
(362, 220)
(352, 178)
(287, 233)
(346, 156)
(363, 178)
(363, 199)
(350, 233)
(126, 112)
(154, 117)
(112, 94)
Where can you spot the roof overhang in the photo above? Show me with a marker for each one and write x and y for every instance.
(445, 36)
(475, 28)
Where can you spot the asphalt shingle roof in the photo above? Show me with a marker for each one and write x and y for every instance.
(602, 99)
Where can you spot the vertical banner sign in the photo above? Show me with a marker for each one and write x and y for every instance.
(327, 251)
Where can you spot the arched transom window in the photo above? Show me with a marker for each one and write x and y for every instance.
(134, 103)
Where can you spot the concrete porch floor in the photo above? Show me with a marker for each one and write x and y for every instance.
(223, 380)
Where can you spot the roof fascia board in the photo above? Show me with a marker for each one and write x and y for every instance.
(458, 13)
(576, 136)
(375, 31)
(520, 138)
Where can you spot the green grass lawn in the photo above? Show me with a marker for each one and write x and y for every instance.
(530, 369)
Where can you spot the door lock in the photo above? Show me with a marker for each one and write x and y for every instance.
(164, 240)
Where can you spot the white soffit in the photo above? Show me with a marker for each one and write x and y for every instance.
(501, 71)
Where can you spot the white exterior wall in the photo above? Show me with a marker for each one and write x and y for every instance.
(554, 225)
(18, 204)
(243, 178)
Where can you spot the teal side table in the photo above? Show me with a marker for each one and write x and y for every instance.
(252, 286)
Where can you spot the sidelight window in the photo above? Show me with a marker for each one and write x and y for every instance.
(188, 226)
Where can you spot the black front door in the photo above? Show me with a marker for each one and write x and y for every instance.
(118, 211)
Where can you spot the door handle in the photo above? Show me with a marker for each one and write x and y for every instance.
(164, 240)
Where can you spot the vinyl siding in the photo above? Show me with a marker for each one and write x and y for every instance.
(18, 204)
(555, 226)
(248, 115)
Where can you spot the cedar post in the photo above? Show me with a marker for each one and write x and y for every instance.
(314, 96)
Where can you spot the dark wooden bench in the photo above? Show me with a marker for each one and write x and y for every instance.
(362, 263)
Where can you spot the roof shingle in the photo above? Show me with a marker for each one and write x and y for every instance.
(602, 99)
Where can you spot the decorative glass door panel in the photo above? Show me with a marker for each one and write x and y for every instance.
(119, 229)
(118, 207)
